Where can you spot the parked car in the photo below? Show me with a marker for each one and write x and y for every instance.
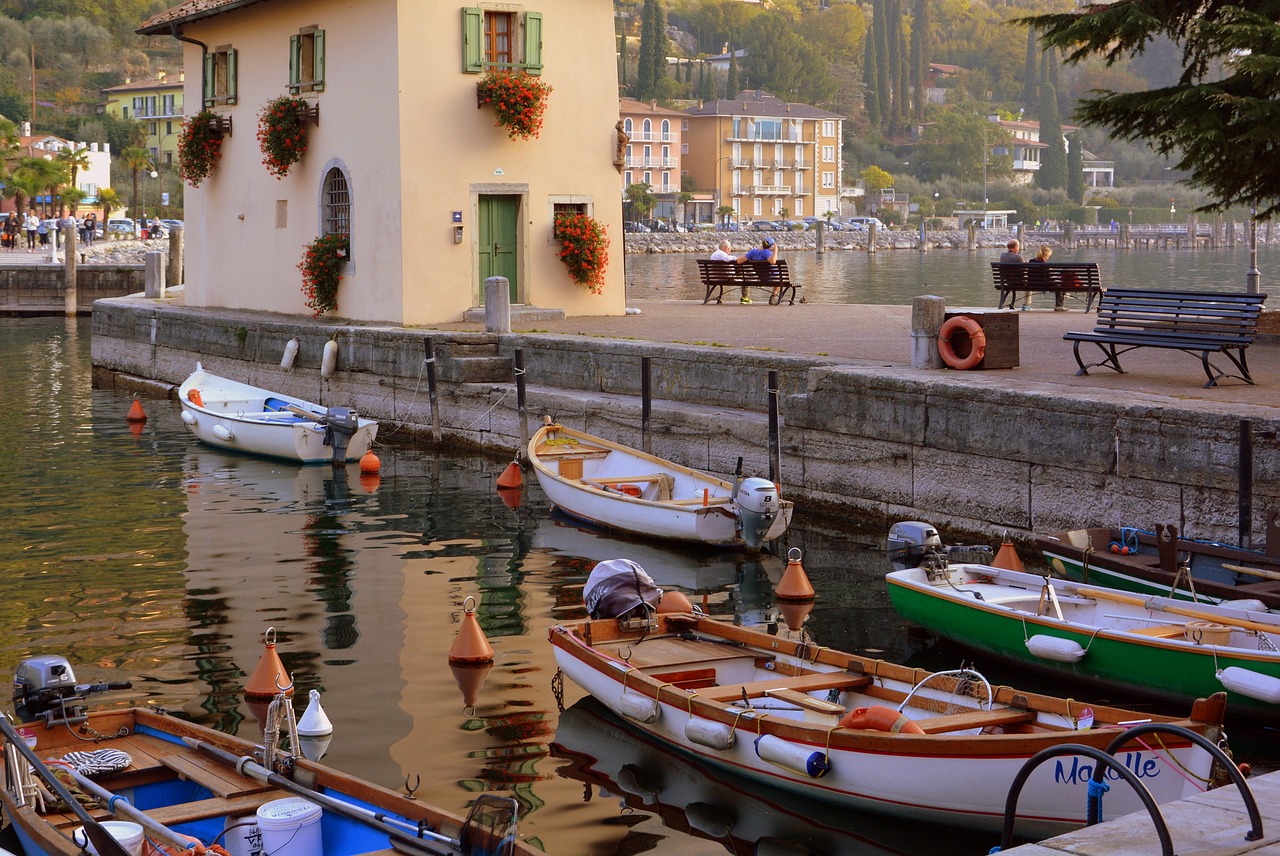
(121, 226)
(793, 225)
(864, 223)
(833, 225)
(633, 226)
(172, 223)
(765, 226)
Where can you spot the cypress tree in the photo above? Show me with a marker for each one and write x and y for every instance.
(1053, 159)
(1030, 84)
(893, 29)
(871, 81)
(921, 47)
(884, 80)
(1075, 168)
(731, 82)
(903, 72)
(653, 50)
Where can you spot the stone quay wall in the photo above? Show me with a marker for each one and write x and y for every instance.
(966, 453)
(41, 289)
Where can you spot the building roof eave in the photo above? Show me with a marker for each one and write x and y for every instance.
(171, 21)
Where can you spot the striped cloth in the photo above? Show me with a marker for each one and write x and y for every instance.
(97, 762)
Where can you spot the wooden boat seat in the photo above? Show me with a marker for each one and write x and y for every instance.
(668, 653)
(1164, 631)
(797, 683)
(664, 482)
(807, 702)
(217, 778)
(711, 500)
(975, 719)
(210, 808)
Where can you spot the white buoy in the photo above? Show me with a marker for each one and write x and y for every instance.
(314, 723)
(290, 353)
(329, 363)
(1055, 648)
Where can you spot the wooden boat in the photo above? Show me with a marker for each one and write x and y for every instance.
(1161, 562)
(610, 485)
(743, 816)
(181, 784)
(233, 415)
(1147, 644)
(943, 747)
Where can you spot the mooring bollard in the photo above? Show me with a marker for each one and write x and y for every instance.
(927, 313)
(154, 286)
(497, 305)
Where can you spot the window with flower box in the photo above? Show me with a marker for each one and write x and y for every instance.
(306, 60)
(220, 76)
(506, 38)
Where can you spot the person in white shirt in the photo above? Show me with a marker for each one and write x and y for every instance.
(723, 255)
(31, 226)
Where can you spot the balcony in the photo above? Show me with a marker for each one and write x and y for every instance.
(653, 137)
(650, 163)
(740, 163)
(769, 190)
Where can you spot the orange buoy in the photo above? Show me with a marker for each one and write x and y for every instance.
(878, 718)
(795, 582)
(675, 601)
(794, 614)
(269, 678)
(194, 396)
(511, 476)
(136, 413)
(1007, 557)
(136, 429)
(969, 329)
(470, 680)
(369, 463)
(369, 482)
(511, 496)
(470, 647)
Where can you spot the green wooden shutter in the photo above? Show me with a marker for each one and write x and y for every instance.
(318, 61)
(232, 89)
(472, 40)
(209, 72)
(295, 61)
(533, 42)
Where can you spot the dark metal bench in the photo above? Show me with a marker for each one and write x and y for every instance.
(1197, 322)
(1069, 278)
(717, 276)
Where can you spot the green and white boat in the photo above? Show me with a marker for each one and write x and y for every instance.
(1158, 646)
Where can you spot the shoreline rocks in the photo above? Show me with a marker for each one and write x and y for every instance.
(888, 239)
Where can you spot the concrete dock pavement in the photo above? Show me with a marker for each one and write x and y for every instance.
(881, 336)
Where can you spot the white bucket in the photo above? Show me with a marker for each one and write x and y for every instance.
(243, 836)
(128, 834)
(290, 827)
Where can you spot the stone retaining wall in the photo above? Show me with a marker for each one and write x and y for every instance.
(38, 290)
(959, 451)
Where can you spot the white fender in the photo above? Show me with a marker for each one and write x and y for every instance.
(329, 362)
(222, 432)
(715, 735)
(789, 756)
(635, 706)
(1055, 648)
(290, 352)
(1250, 683)
(188, 417)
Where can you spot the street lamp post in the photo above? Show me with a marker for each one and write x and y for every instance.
(984, 171)
(1253, 279)
(715, 214)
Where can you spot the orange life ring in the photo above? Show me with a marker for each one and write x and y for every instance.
(193, 395)
(977, 342)
(880, 719)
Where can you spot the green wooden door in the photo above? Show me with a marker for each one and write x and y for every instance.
(499, 221)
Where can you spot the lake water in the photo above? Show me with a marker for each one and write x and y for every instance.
(141, 555)
(963, 278)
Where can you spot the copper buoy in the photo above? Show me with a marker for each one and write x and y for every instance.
(470, 647)
(795, 582)
(1007, 557)
(511, 476)
(269, 678)
(369, 463)
(470, 680)
(675, 601)
(136, 413)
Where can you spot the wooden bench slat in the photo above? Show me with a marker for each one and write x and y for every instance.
(975, 719)
(718, 275)
(1049, 277)
(1200, 323)
(218, 779)
(799, 683)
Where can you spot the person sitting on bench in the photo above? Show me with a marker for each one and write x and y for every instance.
(766, 252)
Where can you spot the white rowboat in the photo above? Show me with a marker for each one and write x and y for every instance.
(233, 415)
(611, 485)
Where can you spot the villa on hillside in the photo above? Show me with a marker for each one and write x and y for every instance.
(157, 104)
(401, 153)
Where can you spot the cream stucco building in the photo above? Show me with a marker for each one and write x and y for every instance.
(434, 196)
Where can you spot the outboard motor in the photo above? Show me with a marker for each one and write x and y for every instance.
(912, 544)
(45, 688)
(757, 501)
(619, 588)
(340, 425)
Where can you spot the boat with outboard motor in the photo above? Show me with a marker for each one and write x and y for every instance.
(113, 778)
(229, 414)
(1157, 646)
(941, 747)
(610, 485)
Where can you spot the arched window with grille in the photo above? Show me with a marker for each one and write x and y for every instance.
(335, 202)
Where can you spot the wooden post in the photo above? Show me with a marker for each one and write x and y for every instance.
(175, 255)
(926, 317)
(523, 452)
(871, 237)
(973, 235)
(71, 288)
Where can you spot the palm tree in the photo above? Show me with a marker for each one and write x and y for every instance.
(34, 175)
(108, 199)
(138, 160)
(74, 159)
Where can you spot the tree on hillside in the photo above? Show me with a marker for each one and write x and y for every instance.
(1218, 120)
(653, 51)
(781, 62)
(921, 47)
(874, 180)
(871, 82)
(1031, 83)
(732, 86)
(884, 72)
(1052, 174)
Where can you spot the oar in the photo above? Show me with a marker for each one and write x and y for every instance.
(1214, 618)
(120, 807)
(104, 842)
(433, 843)
(306, 414)
(1257, 572)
